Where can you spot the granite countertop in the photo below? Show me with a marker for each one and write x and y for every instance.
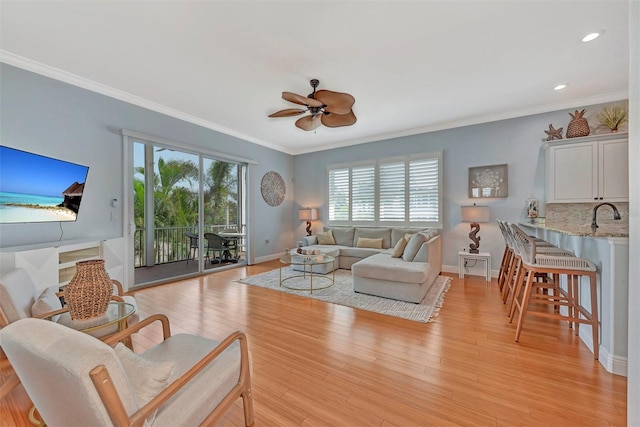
(574, 230)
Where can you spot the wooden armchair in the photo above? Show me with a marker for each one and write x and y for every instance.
(20, 298)
(185, 380)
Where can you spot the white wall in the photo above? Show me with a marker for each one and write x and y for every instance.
(56, 119)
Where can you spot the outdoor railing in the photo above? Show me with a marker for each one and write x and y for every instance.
(171, 244)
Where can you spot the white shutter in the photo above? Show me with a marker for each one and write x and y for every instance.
(392, 191)
(339, 195)
(363, 196)
(424, 190)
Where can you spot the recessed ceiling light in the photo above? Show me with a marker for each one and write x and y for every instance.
(592, 36)
(560, 87)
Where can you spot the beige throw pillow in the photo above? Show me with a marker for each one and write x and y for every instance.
(364, 242)
(47, 302)
(147, 378)
(326, 238)
(398, 250)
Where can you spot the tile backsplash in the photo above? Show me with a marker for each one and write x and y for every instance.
(572, 215)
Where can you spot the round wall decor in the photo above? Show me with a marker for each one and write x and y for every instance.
(273, 188)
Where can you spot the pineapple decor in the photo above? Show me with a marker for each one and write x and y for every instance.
(578, 125)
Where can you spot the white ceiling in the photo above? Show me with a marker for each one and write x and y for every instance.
(412, 66)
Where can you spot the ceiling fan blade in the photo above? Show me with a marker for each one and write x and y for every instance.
(309, 122)
(336, 102)
(302, 100)
(289, 112)
(337, 120)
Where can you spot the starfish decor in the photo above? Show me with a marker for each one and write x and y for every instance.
(553, 133)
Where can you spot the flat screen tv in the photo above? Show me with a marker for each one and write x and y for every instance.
(35, 188)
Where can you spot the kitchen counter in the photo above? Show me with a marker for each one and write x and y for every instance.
(574, 230)
(610, 254)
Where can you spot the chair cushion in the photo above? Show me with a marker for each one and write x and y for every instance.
(147, 378)
(54, 360)
(207, 389)
(383, 267)
(17, 294)
(47, 302)
(342, 236)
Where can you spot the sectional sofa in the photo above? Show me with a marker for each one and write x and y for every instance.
(369, 254)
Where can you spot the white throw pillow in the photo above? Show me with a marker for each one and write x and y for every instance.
(146, 377)
(47, 302)
(326, 238)
(398, 250)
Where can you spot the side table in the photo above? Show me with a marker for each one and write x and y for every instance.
(482, 256)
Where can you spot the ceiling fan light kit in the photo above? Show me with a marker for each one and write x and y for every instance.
(332, 109)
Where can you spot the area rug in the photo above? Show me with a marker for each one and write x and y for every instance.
(342, 293)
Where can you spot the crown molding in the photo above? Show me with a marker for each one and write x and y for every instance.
(93, 86)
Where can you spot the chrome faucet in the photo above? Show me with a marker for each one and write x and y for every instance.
(594, 224)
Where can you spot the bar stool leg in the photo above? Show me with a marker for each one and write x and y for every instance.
(524, 303)
(519, 281)
(513, 268)
(594, 314)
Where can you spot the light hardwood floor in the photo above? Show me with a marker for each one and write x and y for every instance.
(319, 364)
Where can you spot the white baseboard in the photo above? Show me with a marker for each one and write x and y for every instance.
(611, 362)
(454, 269)
(266, 258)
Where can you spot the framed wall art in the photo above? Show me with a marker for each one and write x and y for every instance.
(488, 181)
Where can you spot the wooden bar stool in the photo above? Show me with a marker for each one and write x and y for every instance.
(557, 265)
(515, 274)
(507, 256)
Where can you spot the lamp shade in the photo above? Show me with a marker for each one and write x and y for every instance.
(309, 214)
(474, 213)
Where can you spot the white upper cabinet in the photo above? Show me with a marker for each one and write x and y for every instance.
(593, 168)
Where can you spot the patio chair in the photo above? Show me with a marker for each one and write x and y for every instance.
(74, 379)
(215, 244)
(193, 245)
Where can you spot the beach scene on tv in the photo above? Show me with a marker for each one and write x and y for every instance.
(35, 188)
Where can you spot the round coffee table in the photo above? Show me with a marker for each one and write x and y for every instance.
(305, 261)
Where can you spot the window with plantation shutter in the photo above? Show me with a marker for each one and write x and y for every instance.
(392, 191)
(363, 193)
(339, 195)
(424, 190)
(400, 191)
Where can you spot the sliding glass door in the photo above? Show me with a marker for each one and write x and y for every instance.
(188, 212)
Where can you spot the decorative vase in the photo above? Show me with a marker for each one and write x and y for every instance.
(578, 126)
(89, 291)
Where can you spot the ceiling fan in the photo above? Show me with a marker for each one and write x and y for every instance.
(332, 109)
